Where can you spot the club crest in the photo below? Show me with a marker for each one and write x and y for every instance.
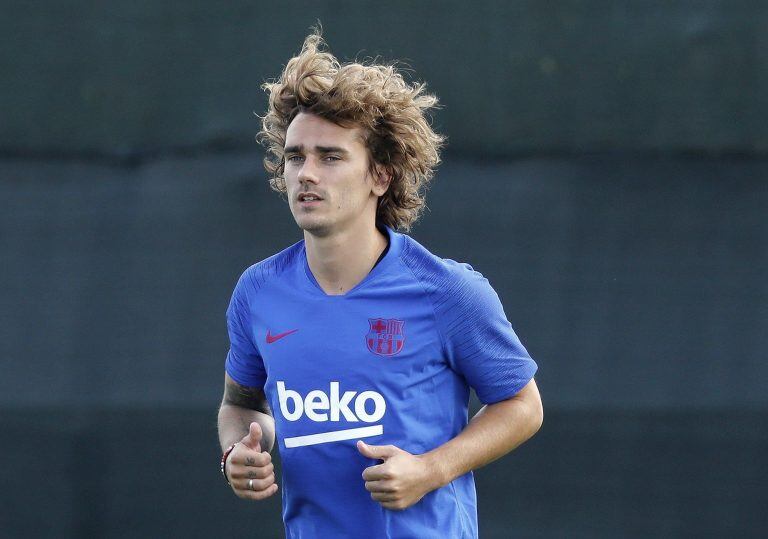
(385, 336)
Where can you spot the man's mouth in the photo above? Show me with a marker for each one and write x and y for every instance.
(309, 197)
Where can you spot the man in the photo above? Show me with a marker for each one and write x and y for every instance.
(357, 346)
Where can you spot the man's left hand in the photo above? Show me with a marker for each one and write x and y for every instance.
(401, 480)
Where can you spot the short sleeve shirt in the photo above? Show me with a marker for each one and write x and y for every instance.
(391, 361)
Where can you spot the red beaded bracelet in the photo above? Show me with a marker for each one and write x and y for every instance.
(224, 460)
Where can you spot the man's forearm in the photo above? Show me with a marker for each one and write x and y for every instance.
(234, 422)
(493, 432)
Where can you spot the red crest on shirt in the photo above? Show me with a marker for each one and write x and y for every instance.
(385, 336)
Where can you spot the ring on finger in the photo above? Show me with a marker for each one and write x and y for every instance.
(250, 484)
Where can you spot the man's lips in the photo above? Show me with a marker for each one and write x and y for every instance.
(308, 198)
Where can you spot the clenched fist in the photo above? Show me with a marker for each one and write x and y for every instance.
(250, 470)
(401, 480)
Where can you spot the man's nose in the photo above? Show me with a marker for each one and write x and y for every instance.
(308, 171)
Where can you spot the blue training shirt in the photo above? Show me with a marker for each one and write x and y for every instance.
(389, 362)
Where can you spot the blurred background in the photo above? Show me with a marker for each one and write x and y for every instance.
(607, 170)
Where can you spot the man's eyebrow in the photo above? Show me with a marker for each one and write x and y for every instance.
(330, 149)
(319, 149)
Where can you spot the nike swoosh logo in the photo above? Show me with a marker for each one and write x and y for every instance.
(272, 338)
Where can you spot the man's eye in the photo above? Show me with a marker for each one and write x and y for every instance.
(294, 158)
(332, 158)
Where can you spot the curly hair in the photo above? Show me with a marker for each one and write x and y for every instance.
(376, 98)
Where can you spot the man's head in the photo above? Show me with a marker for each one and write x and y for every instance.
(328, 179)
(387, 114)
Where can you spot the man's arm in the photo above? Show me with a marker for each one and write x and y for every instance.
(403, 479)
(246, 421)
(241, 406)
(493, 432)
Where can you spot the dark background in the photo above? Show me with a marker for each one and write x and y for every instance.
(607, 170)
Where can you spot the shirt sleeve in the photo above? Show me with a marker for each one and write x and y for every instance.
(479, 340)
(244, 363)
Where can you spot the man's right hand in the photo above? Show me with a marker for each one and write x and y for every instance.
(249, 469)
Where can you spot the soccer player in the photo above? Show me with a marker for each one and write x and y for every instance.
(356, 348)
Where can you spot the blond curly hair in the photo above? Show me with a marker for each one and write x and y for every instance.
(391, 112)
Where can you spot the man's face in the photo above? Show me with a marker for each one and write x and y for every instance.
(327, 178)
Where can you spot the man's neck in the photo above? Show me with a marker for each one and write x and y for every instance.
(340, 261)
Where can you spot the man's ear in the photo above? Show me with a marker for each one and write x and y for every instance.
(381, 179)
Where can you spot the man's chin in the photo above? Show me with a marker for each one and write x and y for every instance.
(314, 227)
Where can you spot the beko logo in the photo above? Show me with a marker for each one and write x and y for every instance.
(319, 406)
